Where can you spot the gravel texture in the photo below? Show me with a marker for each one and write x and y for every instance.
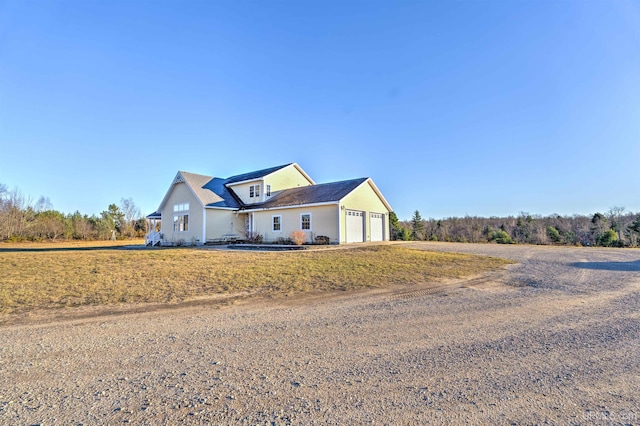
(551, 340)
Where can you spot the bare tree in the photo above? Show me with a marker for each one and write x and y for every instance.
(614, 214)
(43, 204)
(130, 213)
(15, 212)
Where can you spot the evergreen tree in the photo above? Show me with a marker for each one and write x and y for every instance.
(417, 226)
(393, 225)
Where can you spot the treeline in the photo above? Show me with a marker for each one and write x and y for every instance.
(22, 220)
(615, 228)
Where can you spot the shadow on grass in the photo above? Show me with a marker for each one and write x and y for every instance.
(609, 266)
(90, 248)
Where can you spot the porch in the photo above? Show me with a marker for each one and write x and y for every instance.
(153, 237)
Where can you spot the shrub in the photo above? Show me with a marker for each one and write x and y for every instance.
(608, 239)
(501, 237)
(322, 239)
(284, 241)
(403, 234)
(298, 237)
(254, 238)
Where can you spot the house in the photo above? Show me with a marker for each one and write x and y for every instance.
(271, 203)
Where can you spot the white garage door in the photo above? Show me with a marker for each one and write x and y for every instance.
(355, 226)
(377, 233)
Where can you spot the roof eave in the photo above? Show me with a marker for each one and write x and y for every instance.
(291, 206)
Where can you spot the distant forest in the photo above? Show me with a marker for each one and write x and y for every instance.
(23, 220)
(614, 228)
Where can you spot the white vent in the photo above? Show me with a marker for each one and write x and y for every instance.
(179, 179)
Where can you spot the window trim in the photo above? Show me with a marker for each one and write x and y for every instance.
(302, 223)
(273, 223)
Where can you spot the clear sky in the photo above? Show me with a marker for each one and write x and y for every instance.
(453, 107)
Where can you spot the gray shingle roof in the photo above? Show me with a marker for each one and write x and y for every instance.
(197, 184)
(227, 199)
(321, 193)
(255, 175)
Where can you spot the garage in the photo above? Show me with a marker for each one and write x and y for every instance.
(355, 226)
(377, 226)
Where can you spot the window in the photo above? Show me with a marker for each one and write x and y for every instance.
(181, 223)
(277, 224)
(251, 193)
(305, 221)
(268, 191)
(180, 219)
(181, 207)
(254, 191)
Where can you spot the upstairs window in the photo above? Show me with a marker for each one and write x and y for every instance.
(182, 207)
(268, 191)
(254, 191)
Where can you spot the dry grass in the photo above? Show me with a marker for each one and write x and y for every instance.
(84, 275)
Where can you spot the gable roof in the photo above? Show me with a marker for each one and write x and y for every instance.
(258, 174)
(321, 193)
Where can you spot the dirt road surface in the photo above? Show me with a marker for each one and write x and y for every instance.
(551, 340)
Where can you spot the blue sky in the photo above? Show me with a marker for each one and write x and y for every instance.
(453, 108)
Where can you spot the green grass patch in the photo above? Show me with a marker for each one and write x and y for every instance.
(33, 279)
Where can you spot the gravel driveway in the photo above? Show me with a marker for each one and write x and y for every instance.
(553, 339)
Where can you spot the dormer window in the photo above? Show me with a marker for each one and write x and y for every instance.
(268, 191)
(254, 191)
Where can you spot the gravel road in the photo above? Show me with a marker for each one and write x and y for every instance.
(553, 339)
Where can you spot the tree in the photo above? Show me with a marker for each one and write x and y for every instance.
(598, 226)
(608, 239)
(43, 204)
(554, 234)
(417, 226)
(82, 228)
(15, 214)
(614, 216)
(111, 220)
(635, 226)
(49, 224)
(130, 214)
(404, 234)
(634, 231)
(393, 225)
